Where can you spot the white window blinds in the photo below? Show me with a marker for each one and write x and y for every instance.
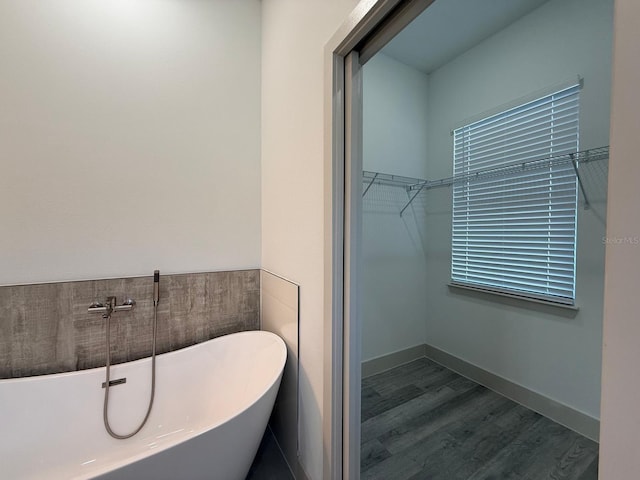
(516, 232)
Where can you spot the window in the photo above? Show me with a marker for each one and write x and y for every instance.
(514, 211)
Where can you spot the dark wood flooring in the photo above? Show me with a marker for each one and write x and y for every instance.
(423, 421)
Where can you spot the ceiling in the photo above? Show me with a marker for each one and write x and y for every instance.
(449, 28)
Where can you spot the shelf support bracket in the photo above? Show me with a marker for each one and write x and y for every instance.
(413, 197)
(369, 186)
(574, 162)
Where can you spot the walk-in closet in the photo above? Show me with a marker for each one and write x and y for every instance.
(484, 198)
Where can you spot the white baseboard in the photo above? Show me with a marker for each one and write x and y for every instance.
(392, 360)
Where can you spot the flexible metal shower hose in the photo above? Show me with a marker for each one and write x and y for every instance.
(105, 413)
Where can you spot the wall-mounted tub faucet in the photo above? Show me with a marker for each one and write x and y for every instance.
(106, 310)
(110, 306)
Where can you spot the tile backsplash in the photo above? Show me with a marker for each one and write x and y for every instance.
(45, 328)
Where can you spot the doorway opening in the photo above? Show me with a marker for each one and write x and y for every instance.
(473, 242)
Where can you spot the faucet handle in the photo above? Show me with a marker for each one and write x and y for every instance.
(97, 307)
(128, 304)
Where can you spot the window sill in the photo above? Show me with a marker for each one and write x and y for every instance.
(513, 296)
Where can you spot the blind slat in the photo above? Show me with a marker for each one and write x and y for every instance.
(525, 130)
(515, 230)
(504, 117)
(535, 149)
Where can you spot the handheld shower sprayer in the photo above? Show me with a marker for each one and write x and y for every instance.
(156, 287)
(107, 383)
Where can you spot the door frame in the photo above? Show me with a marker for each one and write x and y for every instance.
(618, 430)
(369, 27)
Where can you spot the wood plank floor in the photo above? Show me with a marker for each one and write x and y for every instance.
(423, 421)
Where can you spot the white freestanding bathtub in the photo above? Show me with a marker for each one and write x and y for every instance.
(211, 408)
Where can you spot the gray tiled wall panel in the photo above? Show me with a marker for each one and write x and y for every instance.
(46, 328)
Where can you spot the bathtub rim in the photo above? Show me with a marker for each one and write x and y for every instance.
(139, 360)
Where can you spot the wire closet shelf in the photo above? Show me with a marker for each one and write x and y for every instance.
(414, 186)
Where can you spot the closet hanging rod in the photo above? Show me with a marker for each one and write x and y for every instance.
(577, 158)
(416, 185)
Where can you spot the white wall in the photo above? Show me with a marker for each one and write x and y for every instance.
(394, 117)
(544, 349)
(294, 35)
(394, 272)
(129, 137)
(620, 433)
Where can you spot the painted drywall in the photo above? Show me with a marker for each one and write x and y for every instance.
(294, 35)
(129, 138)
(550, 351)
(620, 432)
(394, 117)
(394, 269)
